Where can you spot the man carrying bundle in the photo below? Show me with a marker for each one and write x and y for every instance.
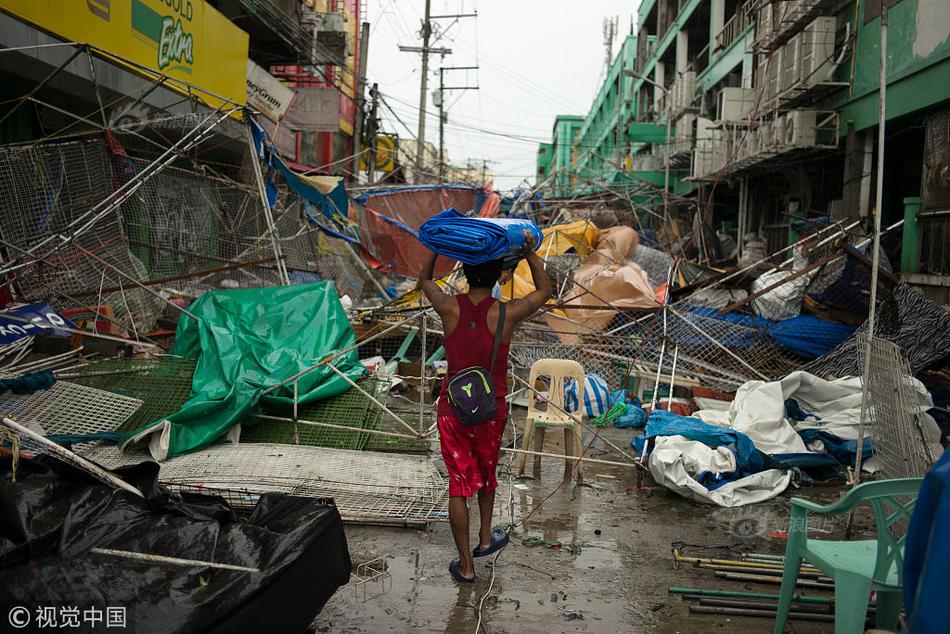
(472, 410)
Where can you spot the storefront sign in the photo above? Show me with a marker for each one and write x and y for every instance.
(184, 39)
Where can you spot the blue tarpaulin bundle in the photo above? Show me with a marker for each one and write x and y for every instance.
(476, 240)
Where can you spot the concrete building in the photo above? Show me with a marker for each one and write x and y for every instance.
(563, 153)
(774, 113)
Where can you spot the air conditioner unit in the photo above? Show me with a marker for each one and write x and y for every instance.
(687, 82)
(792, 10)
(763, 22)
(777, 137)
(791, 63)
(764, 137)
(330, 22)
(800, 128)
(774, 76)
(735, 104)
(818, 50)
(684, 128)
(751, 145)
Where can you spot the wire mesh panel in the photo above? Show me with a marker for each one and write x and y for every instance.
(163, 384)
(349, 409)
(366, 486)
(893, 422)
(68, 408)
(53, 189)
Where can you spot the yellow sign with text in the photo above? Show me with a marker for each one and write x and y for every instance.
(187, 40)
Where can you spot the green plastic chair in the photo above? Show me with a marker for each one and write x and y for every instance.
(857, 567)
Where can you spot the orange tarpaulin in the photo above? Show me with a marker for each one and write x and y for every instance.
(605, 278)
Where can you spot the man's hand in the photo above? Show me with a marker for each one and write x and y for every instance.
(528, 243)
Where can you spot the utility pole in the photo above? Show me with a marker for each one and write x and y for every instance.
(373, 128)
(439, 100)
(425, 50)
(421, 137)
(360, 101)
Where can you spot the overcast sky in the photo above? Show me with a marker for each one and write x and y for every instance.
(537, 58)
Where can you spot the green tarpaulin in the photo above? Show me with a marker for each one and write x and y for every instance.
(246, 341)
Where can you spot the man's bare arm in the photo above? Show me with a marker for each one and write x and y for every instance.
(521, 309)
(441, 301)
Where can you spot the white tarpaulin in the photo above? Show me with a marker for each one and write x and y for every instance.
(758, 411)
(676, 461)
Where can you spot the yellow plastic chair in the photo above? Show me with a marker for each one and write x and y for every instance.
(552, 415)
(859, 566)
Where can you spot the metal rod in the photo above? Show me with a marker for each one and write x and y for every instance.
(876, 250)
(422, 374)
(265, 204)
(719, 345)
(135, 281)
(370, 397)
(174, 561)
(669, 399)
(802, 574)
(751, 604)
(67, 455)
(749, 595)
(86, 333)
(38, 87)
(805, 583)
(800, 616)
(183, 276)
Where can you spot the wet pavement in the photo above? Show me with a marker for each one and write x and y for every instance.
(610, 573)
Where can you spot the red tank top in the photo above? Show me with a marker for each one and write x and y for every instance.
(470, 344)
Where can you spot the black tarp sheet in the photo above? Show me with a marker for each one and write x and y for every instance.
(53, 515)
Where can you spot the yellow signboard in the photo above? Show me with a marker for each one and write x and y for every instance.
(184, 39)
(385, 154)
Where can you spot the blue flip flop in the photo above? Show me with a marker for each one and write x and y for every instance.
(499, 539)
(457, 574)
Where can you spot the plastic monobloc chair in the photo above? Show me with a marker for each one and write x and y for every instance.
(857, 567)
(553, 415)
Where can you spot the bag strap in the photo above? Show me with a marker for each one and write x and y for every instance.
(499, 329)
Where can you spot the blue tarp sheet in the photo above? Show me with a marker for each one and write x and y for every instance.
(804, 336)
(927, 554)
(475, 240)
(336, 201)
(386, 191)
(749, 460)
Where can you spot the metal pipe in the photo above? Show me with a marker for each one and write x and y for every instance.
(749, 595)
(804, 583)
(876, 250)
(174, 561)
(800, 616)
(265, 204)
(135, 281)
(65, 454)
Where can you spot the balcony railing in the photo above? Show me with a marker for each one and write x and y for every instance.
(734, 28)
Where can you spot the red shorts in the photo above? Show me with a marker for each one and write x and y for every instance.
(470, 453)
